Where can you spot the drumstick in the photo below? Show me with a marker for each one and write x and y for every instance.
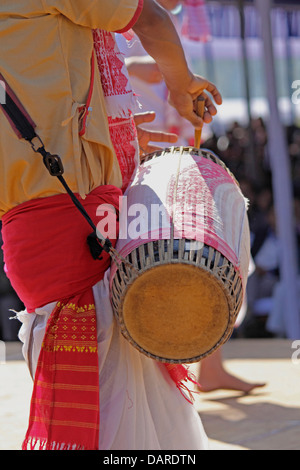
(200, 108)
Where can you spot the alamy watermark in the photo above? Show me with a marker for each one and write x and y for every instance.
(296, 93)
(2, 92)
(2, 352)
(296, 353)
(138, 221)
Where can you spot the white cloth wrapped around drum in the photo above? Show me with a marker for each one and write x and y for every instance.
(184, 228)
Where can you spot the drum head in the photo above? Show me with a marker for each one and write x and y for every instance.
(176, 311)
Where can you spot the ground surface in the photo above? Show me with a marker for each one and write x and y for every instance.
(267, 419)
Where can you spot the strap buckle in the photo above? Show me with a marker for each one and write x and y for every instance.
(36, 145)
(53, 164)
(96, 247)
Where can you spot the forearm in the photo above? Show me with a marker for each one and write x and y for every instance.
(160, 39)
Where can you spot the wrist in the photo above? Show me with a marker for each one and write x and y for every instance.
(178, 82)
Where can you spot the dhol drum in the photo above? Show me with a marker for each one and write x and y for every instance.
(184, 234)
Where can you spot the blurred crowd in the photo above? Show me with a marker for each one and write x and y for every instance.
(9, 304)
(244, 151)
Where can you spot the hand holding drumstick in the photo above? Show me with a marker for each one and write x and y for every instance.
(160, 39)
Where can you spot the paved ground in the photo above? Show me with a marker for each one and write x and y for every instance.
(266, 420)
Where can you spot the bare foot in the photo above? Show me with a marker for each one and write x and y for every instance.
(226, 381)
(214, 376)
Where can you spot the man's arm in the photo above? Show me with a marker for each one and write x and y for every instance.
(160, 39)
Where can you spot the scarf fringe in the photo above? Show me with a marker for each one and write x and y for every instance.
(127, 105)
(181, 375)
(34, 443)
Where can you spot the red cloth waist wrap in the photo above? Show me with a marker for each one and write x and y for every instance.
(46, 254)
(47, 259)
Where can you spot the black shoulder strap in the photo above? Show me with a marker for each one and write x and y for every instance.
(24, 127)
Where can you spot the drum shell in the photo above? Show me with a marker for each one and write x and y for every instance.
(202, 222)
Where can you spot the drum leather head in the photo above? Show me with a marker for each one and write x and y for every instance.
(176, 311)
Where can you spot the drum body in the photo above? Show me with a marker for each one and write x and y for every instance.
(184, 228)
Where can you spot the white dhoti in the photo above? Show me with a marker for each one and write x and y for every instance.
(140, 406)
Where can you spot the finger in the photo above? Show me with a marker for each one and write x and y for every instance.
(141, 118)
(157, 136)
(207, 118)
(213, 90)
(196, 121)
(210, 110)
(210, 107)
(193, 118)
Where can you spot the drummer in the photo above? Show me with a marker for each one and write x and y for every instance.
(65, 291)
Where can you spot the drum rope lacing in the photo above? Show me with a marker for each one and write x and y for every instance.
(175, 194)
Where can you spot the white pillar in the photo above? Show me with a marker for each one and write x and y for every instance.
(282, 185)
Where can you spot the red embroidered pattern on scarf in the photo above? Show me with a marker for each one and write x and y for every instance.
(116, 83)
(113, 80)
(123, 133)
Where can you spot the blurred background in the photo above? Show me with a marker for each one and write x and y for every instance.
(251, 51)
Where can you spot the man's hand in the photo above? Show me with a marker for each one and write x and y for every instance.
(145, 136)
(184, 100)
(160, 39)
